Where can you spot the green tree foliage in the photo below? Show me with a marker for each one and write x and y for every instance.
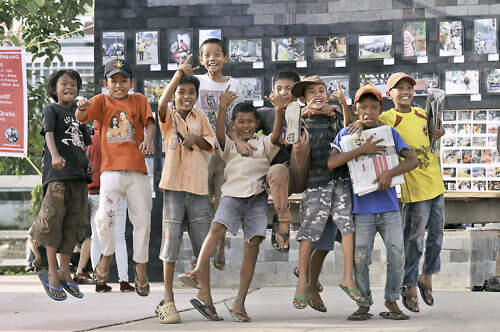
(37, 25)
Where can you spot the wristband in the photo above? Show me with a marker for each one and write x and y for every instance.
(182, 72)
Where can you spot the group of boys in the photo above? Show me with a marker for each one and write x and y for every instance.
(213, 154)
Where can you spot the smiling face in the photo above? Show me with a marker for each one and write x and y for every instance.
(66, 90)
(368, 109)
(315, 96)
(213, 58)
(185, 97)
(245, 124)
(402, 94)
(283, 87)
(118, 85)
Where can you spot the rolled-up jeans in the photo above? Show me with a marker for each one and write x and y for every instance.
(389, 226)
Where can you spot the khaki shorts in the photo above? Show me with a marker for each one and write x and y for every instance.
(63, 216)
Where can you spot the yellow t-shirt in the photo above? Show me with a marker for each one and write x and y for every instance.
(425, 181)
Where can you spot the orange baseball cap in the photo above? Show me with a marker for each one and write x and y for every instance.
(395, 78)
(368, 89)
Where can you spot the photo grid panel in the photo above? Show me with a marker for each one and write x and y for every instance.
(469, 158)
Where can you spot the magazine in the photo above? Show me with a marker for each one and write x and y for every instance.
(365, 168)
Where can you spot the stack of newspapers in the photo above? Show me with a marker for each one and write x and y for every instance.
(434, 108)
(365, 168)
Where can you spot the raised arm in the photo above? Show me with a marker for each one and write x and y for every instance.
(339, 95)
(185, 68)
(278, 102)
(220, 125)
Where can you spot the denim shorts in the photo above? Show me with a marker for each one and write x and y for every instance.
(251, 212)
(180, 209)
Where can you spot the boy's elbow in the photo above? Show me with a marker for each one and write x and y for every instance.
(413, 163)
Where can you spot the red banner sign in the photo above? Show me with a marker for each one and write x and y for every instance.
(13, 103)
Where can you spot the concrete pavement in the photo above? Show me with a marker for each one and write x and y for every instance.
(25, 306)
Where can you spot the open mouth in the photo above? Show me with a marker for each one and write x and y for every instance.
(318, 101)
(68, 93)
(186, 103)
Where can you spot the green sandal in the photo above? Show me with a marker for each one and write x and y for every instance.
(300, 302)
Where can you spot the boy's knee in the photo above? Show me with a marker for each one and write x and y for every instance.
(218, 229)
(278, 173)
(255, 241)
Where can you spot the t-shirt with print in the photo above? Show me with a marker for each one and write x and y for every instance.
(377, 201)
(69, 140)
(245, 176)
(122, 130)
(209, 95)
(322, 131)
(266, 116)
(425, 181)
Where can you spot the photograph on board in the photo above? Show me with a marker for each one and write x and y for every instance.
(375, 47)
(204, 34)
(113, 46)
(425, 81)
(245, 50)
(251, 88)
(462, 82)
(493, 80)
(153, 89)
(180, 44)
(414, 39)
(485, 36)
(329, 48)
(287, 49)
(450, 38)
(331, 84)
(146, 47)
(379, 80)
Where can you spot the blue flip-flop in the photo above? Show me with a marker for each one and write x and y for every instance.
(43, 275)
(70, 287)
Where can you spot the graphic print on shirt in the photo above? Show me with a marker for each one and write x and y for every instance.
(121, 129)
(73, 135)
(209, 102)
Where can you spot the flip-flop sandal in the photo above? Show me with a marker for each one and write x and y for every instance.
(238, 316)
(318, 306)
(188, 279)
(72, 288)
(359, 316)
(141, 290)
(292, 118)
(43, 275)
(202, 309)
(276, 230)
(219, 262)
(425, 293)
(410, 302)
(300, 302)
(354, 294)
(394, 315)
(296, 273)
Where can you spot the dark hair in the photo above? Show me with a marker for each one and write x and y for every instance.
(286, 75)
(368, 96)
(244, 107)
(190, 79)
(217, 41)
(54, 77)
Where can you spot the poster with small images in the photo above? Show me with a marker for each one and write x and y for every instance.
(153, 89)
(469, 158)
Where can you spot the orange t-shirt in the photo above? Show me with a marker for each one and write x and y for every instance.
(122, 130)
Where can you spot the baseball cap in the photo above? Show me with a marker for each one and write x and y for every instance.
(368, 89)
(299, 87)
(117, 66)
(396, 77)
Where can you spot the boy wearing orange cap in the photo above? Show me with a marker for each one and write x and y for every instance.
(377, 211)
(422, 193)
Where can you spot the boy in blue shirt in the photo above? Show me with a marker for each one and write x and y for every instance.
(376, 211)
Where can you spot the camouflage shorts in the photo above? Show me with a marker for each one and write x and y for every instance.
(333, 199)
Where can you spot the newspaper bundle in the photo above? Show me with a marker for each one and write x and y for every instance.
(365, 168)
(434, 108)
